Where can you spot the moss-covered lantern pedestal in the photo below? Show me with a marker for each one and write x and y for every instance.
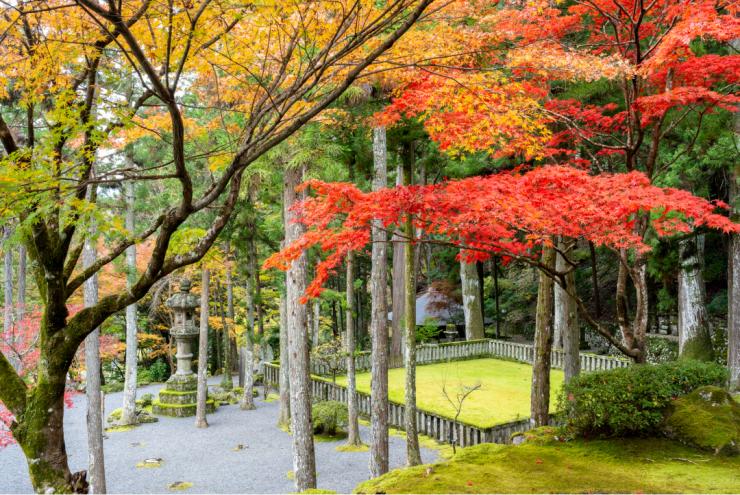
(178, 398)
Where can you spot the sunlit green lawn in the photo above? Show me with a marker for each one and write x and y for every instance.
(503, 396)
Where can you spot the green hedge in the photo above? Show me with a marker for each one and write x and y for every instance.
(631, 401)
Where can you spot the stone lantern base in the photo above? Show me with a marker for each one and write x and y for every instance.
(178, 397)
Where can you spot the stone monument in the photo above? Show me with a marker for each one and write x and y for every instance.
(179, 396)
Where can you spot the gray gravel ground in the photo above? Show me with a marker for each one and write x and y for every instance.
(203, 457)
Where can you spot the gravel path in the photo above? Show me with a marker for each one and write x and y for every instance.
(203, 457)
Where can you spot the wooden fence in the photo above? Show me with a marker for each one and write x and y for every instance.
(456, 351)
(430, 424)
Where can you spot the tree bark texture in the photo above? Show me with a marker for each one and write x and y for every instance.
(694, 337)
(379, 322)
(304, 462)
(733, 263)
(202, 393)
(22, 270)
(284, 385)
(565, 325)
(353, 426)
(128, 414)
(95, 451)
(247, 350)
(397, 288)
(472, 303)
(413, 454)
(540, 397)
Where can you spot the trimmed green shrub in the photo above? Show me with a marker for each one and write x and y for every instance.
(632, 401)
(708, 418)
(329, 417)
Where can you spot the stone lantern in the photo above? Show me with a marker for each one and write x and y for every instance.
(179, 396)
(184, 331)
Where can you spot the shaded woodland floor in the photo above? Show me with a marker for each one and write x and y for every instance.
(210, 459)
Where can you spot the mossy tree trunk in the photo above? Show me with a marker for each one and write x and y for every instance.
(379, 322)
(694, 338)
(540, 396)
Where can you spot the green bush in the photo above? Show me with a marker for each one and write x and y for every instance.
(329, 417)
(631, 401)
(159, 371)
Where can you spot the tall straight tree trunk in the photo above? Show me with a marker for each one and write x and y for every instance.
(694, 337)
(379, 322)
(565, 322)
(95, 454)
(128, 414)
(8, 327)
(413, 454)
(227, 381)
(202, 391)
(540, 397)
(247, 350)
(316, 321)
(595, 279)
(733, 264)
(304, 460)
(353, 426)
(22, 269)
(284, 385)
(471, 301)
(397, 288)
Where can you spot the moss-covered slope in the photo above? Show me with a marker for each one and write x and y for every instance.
(606, 466)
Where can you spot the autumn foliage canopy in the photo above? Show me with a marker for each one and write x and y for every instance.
(508, 214)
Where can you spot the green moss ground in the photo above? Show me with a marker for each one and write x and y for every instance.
(599, 466)
(503, 396)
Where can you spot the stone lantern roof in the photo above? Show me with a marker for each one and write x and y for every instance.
(183, 305)
(183, 299)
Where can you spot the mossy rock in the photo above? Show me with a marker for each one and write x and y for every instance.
(145, 400)
(144, 417)
(115, 415)
(179, 486)
(708, 418)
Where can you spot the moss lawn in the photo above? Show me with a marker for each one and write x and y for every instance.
(635, 465)
(503, 396)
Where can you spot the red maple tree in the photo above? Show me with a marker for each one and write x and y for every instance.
(511, 215)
